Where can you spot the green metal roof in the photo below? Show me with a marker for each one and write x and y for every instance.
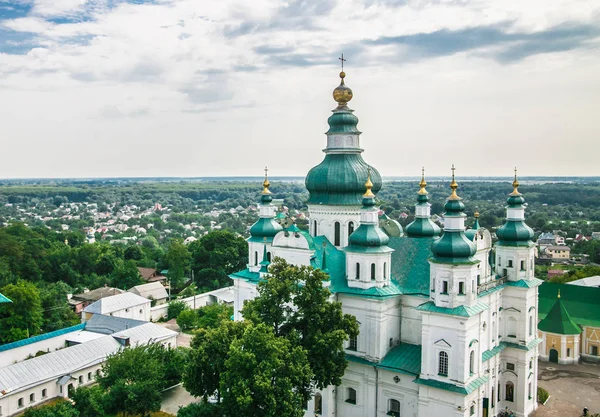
(453, 248)
(525, 283)
(39, 338)
(403, 358)
(4, 299)
(410, 265)
(246, 275)
(580, 302)
(462, 311)
(558, 320)
(488, 354)
(467, 389)
(340, 180)
(423, 227)
(514, 232)
(343, 121)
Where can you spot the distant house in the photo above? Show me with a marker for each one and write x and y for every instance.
(126, 305)
(546, 239)
(558, 252)
(153, 291)
(81, 301)
(556, 273)
(151, 275)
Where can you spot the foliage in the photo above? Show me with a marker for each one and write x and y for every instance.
(177, 259)
(266, 375)
(304, 314)
(59, 408)
(89, 401)
(202, 409)
(215, 256)
(206, 362)
(175, 308)
(133, 378)
(187, 320)
(542, 395)
(212, 315)
(23, 315)
(577, 273)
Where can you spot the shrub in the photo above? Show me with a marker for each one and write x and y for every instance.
(175, 308)
(542, 395)
(187, 319)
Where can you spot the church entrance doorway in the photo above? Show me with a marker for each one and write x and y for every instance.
(554, 355)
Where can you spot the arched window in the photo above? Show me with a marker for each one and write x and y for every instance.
(393, 408)
(357, 270)
(255, 257)
(314, 228)
(336, 230)
(350, 228)
(372, 272)
(510, 391)
(493, 331)
(318, 403)
(385, 270)
(443, 364)
(351, 396)
(472, 362)
(493, 398)
(530, 325)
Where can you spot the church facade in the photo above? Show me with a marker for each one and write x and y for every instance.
(448, 326)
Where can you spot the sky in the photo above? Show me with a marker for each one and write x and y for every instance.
(111, 88)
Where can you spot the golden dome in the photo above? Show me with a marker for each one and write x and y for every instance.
(423, 183)
(368, 185)
(342, 94)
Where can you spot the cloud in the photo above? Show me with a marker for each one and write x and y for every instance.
(509, 46)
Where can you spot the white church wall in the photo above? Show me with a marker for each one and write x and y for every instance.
(243, 291)
(411, 319)
(361, 378)
(327, 216)
(399, 387)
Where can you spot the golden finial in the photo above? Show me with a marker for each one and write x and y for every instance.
(476, 214)
(453, 186)
(342, 94)
(369, 185)
(515, 185)
(266, 183)
(558, 296)
(423, 183)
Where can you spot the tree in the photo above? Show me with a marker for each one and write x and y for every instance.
(187, 319)
(125, 275)
(213, 314)
(24, 315)
(206, 362)
(58, 314)
(177, 259)
(266, 376)
(133, 378)
(60, 408)
(89, 401)
(218, 253)
(175, 308)
(304, 314)
(202, 409)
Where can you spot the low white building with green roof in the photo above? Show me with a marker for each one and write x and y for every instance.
(447, 327)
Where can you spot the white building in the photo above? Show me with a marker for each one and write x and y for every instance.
(153, 291)
(126, 305)
(75, 363)
(447, 328)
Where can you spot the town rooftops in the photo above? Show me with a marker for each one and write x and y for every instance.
(59, 365)
(98, 293)
(152, 291)
(558, 247)
(114, 303)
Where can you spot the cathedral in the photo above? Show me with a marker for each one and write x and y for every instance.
(448, 327)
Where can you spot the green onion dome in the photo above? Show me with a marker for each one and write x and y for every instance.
(472, 232)
(453, 246)
(265, 227)
(515, 232)
(422, 226)
(368, 237)
(339, 180)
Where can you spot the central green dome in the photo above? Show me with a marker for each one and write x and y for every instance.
(340, 180)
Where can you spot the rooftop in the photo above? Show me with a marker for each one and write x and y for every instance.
(152, 291)
(114, 303)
